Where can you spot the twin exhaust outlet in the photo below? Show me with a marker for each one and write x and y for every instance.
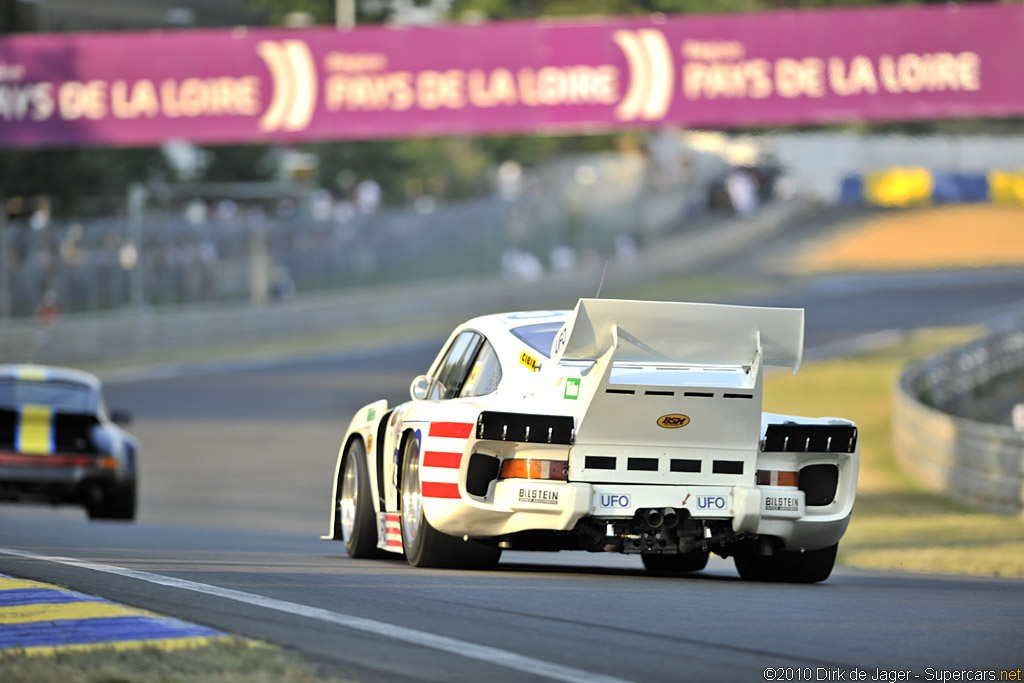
(657, 519)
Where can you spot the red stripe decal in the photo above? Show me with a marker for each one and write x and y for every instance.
(391, 518)
(438, 459)
(452, 430)
(394, 530)
(394, 543)
(433, 489)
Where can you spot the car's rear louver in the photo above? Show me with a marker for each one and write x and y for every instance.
(796, 438)
(525, 427)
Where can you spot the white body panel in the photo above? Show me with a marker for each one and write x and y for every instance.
(616, 369)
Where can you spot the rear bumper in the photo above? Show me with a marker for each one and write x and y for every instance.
(514, 506)
(59, 484)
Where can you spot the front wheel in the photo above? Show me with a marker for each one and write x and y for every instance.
(424, 545)
(354, 519)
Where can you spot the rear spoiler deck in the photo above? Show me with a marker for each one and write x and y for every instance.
(681, 333)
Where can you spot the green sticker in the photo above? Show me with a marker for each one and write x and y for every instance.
(572, 388)
(370, 414)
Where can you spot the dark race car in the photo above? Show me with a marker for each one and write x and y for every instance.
(59, 445)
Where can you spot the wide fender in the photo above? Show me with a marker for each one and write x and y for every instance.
(364, 425)
(448, 433)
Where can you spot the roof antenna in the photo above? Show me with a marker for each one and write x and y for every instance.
(601, 283)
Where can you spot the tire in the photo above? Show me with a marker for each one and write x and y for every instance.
(810, 566)
(752, 566)
(682, 563)
(354, 519)
(118, 504)
(424, 545)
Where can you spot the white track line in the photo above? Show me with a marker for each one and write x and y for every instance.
(483, 653)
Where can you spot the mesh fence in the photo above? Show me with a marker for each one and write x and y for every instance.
(579, 209)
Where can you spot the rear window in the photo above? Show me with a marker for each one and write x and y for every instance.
(539, 337)
(62, 396)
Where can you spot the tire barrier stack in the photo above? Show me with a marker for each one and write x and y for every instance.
(918, 186)
(974, 463)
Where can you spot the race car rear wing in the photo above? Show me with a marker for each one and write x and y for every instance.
(671, 385)
(681, 333)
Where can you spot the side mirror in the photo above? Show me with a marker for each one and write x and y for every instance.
(121, 418)
(420, 387)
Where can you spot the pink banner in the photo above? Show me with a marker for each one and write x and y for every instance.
(279, 85)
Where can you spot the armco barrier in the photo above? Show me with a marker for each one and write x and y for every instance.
(975, 463)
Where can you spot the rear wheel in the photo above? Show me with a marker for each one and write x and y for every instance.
(810, 566)
(354, 520)
(693, 561)
(117, 503)
(752, 565)
(424, 545)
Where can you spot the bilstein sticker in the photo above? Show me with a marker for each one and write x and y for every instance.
(673, 421)
(543, 496)
(782, 503)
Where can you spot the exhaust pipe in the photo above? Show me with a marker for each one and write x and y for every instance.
(654, 518)
(669, 518)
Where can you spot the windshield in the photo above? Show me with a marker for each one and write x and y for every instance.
(539, 337)
(62, 396)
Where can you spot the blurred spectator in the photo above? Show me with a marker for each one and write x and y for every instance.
(47, 310)
(521, 265)
(562, 259)
(742, 191)
(208, 262)
(368, 196)
(625, 248)
(282, 288)
(510, 180)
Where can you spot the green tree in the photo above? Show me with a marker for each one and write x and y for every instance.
(79, 180)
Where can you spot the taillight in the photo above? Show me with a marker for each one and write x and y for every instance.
(778, 478)
(534, 469)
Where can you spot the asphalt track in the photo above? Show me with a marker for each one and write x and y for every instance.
(236, 479)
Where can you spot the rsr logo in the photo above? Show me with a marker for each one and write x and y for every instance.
(614, 501)
(710, 502)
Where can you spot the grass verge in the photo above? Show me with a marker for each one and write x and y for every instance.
(898, 524)
(234, 661)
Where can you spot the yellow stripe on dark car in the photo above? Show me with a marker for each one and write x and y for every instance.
(35, 431)
(31, 373)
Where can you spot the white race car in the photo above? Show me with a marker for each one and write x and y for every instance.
(620, 426)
